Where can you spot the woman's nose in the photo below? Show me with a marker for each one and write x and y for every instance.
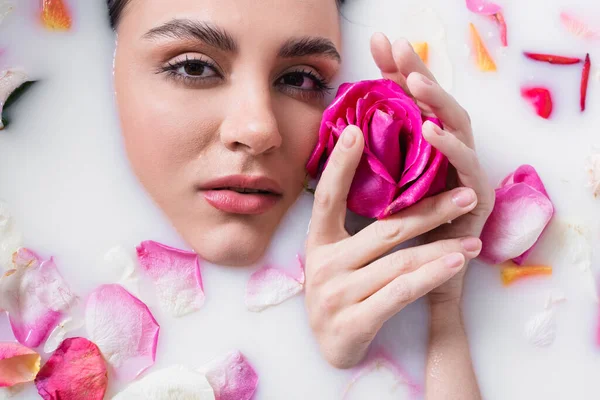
(250, 124)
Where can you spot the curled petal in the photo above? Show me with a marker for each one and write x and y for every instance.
(176, 275)
(540, 99)
(483, 7)
(176, 382)
(11, 239)
(76, 371)
(269, 287)
(511, 274)
(35, 296)
(18, 364)
(484, 60)
(57, 336)
(522, 212)
(56, 15)
(13, 83)
(552, 58)
(585, 79)
(123, 328)
(232, 377)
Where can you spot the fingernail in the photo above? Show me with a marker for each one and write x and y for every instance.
(464, 198)
(439, 131)
(426, 81)
(348, 138)
(471, 244)
(454, 260)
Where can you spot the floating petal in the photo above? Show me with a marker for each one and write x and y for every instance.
(498, 18)
(585, 79)
(123, 328)
(483, 7)
(36, 297)
(124, 266)
(540, 99)
(422, 49)
(577, 27)
(13, 83)
(232, 378)
(56, 15)
(512, 274)
(11, 239)
(172, 383)
(60, 332)
(485, 62)
(593, 169)
(552, 58)
(5, 9)
(176, 275)
(18, 364)
(540, 330)
(269, 287)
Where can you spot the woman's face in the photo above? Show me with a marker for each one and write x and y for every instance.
(220, 104)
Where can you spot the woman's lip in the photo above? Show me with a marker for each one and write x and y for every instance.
(233, 202)
(255, 182)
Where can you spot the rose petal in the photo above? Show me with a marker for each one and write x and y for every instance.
(555, 297)
(76, 371)
(5, 9)
(123, 328)
(176, 275)
(36, 297)
(422, 50)
(10, 237)
(18, 364)
(540, 98)
(59, 333)
(521, 214)
(232, 377)
(585, 79)
(124, 266)
(511, 274)
(483, 7)
(578, 249)
(578, 27)
(381, 365)
(499, 20)
(593, 169)
(176, 382)
(540, 330)
(484, 60)
(56, 15)
(12, 84)
(269, 287)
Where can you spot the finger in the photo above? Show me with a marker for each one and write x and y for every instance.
(443, 106)
(462, 157)
(408, 61)
(426, 215)
(381, 49)
(329, 210)
(366, 281)
(407, 288)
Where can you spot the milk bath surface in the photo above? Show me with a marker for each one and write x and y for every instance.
(64, 175)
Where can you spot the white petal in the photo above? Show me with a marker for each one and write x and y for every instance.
(540, 330)
(11, 239)
(60, 332)
(268, 287)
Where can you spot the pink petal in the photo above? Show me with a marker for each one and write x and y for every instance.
(269, 287)
(521, 214)
(18, 364)
(483, 7)
(232, 378)
(380, 359)
(578, 27)
(76, 371)
(176, 274)
(36, 297)
(123, 328)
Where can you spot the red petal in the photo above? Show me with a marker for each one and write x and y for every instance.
(552, 59)
(498, 18)
(585, 78)
(540, 98)
(76, 371)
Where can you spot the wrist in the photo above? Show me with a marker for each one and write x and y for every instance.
(445, 314)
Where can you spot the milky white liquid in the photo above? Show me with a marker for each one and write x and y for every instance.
(65, 176)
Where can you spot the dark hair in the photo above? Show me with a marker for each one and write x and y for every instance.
(116, 7)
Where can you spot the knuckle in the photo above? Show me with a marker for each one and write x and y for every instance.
(331, 299)
(403, 261)
(389, 230)
(323, 198)
(401, 292)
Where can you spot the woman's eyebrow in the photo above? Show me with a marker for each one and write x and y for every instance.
(309, 46)
(194, 30)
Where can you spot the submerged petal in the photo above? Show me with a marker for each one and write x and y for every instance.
(56, 15)
(269, 287)
(76, 371)
(35, 296)
(172, 383)
(512, 274)
(540, 330)
(57, 336)
(123, 328)
(232, 377)
(176, 274)
(483, 7)
(484, 60)
(18, 364)
(11, 239)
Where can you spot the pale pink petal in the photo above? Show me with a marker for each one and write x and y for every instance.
(10, 81)
(18, 364)
(521, 214)
(123, 264)
(483, 7)
(301, 277)
(11, 239)
(232, 377)
(35, 296)
(377, 365)
(5, 9)
(123, 328)
(269, 287)
(76, 371)
(59, 333)
(176, 275)
(578, 27)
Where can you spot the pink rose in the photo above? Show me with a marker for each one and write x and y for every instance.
(398, 167)
(523, 210)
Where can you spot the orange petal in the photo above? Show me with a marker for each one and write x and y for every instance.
(422, 49)
(511, 274)
(55, 15)
(18, 364)
(484, 61)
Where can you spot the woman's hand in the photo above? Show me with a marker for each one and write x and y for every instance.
(350, 289)
(401, 64)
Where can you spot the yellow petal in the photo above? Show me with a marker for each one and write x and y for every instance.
(422, 49)
(511, 274)
(484, 61)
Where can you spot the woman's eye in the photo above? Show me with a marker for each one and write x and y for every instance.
(196, 70)
(299, 80)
